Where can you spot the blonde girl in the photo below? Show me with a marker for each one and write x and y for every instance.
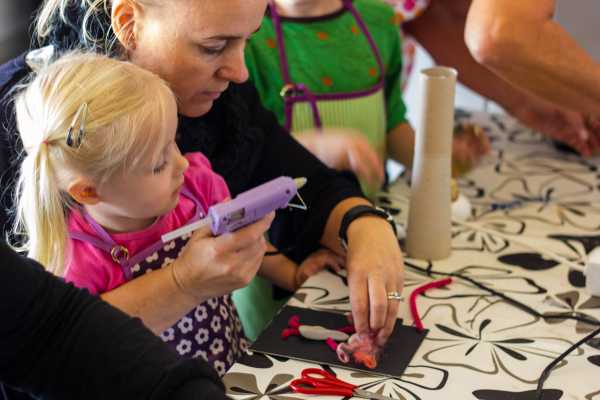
(103, 179)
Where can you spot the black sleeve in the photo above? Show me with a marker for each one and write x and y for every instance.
(59, 342)
(283, 155)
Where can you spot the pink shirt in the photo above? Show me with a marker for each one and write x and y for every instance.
(94, 269)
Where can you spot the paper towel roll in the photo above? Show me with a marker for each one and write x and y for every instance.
(429, 218)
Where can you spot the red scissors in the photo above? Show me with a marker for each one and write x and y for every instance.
(319, 381)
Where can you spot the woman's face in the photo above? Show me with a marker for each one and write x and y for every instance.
(197, 46)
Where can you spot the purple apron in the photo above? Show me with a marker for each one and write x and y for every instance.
(212, 330)
(363, 110)
(296, 92)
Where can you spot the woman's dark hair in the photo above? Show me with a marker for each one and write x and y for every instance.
(76, 25)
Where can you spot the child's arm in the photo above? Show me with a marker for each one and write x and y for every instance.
(345, 150)
(401, 144)
(288, 275)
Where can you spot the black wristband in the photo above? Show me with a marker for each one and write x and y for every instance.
(361, 211)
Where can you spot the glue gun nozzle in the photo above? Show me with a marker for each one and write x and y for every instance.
(300, 182)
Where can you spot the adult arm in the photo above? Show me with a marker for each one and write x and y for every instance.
(441, 31)
(521, 42)
(57, 341)
(208, 267)
(374, 260)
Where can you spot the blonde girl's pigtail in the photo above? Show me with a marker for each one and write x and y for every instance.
(126, 121)
(41, 211)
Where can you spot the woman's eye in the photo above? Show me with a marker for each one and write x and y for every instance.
(212, 50)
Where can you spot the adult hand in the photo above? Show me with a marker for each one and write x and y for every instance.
(213, 266)
(558, 123)
(375, 268)
(345, 149)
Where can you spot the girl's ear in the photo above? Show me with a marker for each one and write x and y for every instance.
(83, 192)
(123, 20)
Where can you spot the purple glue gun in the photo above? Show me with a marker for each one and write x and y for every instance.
(245, 208)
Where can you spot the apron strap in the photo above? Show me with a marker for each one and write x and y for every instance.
(200, 213)
(285, 70)
(103, 241)
(119, 254)
(361, 24)
(291, 89)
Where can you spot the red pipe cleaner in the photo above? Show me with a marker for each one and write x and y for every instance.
(332, 344)
(420, 290)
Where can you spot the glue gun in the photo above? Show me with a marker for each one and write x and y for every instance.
(245, 208)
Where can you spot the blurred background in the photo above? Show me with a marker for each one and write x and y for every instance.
(579, 18)
(15, 19)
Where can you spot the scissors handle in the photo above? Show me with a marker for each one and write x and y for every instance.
(323, 377)
(309, 386)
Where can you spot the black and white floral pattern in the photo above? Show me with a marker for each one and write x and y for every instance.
(530, 202)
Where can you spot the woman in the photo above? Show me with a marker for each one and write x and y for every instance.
(199, 50)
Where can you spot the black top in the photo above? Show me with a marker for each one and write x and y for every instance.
(245, 145)
(59, 342)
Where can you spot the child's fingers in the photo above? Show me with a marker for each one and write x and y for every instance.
(333, 261)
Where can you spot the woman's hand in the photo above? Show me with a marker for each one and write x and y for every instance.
(213, 266)
(207, 267)
(345, 149)
(375, 268)
(318, 261)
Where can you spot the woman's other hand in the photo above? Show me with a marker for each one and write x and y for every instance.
(213, 266)
(345, 149)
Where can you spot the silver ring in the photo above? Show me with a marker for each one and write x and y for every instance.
(394, 296)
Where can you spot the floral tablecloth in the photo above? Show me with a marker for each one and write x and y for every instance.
(536, 215)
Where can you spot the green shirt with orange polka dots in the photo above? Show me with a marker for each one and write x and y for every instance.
(330, 54)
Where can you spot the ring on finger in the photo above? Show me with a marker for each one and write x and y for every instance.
(394, 296)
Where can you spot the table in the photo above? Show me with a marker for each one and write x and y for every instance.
(532, 204)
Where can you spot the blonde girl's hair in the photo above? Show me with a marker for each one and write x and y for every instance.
(126, 107)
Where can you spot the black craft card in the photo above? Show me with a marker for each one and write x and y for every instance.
(396, 355)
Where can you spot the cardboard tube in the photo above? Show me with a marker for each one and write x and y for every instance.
(429, 216)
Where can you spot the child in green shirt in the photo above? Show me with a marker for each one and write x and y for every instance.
(334, 64)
